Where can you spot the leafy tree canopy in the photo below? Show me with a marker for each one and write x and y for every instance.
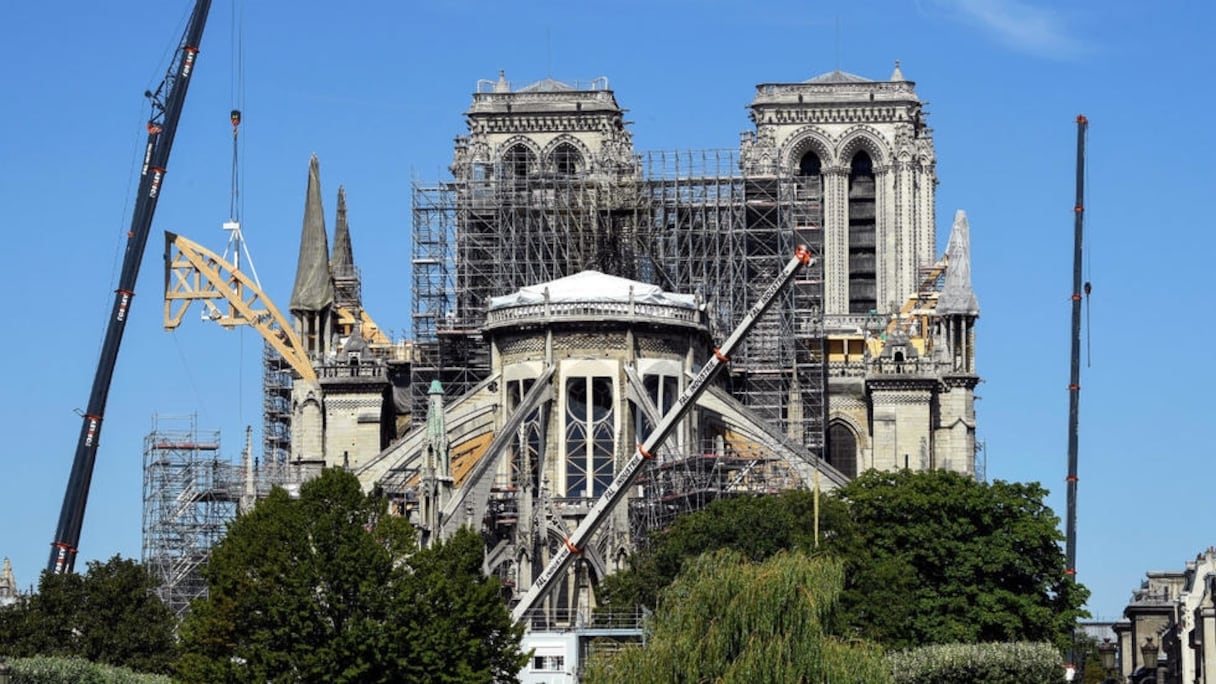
(941, 558)
(930, 557)
(755, 526)
(107, 615)
(726, 619)
(329, 587)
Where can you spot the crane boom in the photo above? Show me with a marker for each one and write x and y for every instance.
(167, 103)
(645, 451)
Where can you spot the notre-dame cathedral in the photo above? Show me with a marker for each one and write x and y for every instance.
(567, 287)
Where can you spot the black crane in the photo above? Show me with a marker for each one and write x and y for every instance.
(166, 101)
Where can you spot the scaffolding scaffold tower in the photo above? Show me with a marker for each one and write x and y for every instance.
(191, 493)
(690, 222)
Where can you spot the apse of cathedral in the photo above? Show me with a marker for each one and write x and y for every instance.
(567, 288)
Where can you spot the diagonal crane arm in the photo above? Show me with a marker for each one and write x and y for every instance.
(167, 102)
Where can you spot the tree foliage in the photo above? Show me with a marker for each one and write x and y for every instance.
(328, 587)
(726, 619)
(1004, 663)
(930, 557)
(107, 615)
(755, 526)
(75, 670)
(941, 558)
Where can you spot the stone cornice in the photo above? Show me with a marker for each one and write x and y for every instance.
(964, 381)
(901, 383)
(490, 101)
(889, 90)
(541, 123)
(794, 114)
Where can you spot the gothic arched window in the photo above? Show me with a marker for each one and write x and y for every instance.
(842, 449)
(518, 162)
(590, 435)
(566, 160)
(810, 165)
(863, 243)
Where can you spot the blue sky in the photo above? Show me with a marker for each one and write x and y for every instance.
(377, 89)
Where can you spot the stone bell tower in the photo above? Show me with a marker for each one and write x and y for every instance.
(867, 144)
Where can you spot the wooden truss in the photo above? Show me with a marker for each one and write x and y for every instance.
(229, 297)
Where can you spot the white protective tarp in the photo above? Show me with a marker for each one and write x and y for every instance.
(593, 286)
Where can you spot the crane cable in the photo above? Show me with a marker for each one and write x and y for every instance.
(236, 241)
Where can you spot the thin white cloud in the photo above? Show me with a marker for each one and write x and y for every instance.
(1040, 31)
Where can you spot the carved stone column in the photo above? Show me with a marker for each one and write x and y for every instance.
(836, 239)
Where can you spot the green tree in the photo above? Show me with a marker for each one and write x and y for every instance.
(726, 619)
(329, 587)
(930, 557)
(755, 526)
(941, 558)
(108, 615)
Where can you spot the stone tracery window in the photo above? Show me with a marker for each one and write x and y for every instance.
(590, 435)
(663, 391)
(526, 448)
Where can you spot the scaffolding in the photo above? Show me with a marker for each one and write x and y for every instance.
(686, 221)
(276, 409)
(190, 495)
(689, 482)
(690, 222)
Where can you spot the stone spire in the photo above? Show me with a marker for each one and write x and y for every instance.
(343, 258)
(313, 290)
(347, 289)
(436, 433)
(898, 74)
(957, 297)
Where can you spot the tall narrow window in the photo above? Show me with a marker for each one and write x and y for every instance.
(526, 447)
(842, 449)
(662, 390)
(808, 204)
(863, 260)
(590, 435)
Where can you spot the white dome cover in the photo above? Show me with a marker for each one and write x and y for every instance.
(593, 286)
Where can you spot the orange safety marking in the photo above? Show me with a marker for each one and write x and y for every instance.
(1081, 119)
(1071, 478)
(721, 357)
(1072, 388)
(803, 254)
(644, 453)
(1070, 571)
(1078, 208)
(572, 547)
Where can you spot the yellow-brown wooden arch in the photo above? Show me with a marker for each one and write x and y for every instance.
(229, 297)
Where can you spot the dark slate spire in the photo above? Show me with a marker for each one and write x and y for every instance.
(343, 259)
(957, 297)
(314, 290)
